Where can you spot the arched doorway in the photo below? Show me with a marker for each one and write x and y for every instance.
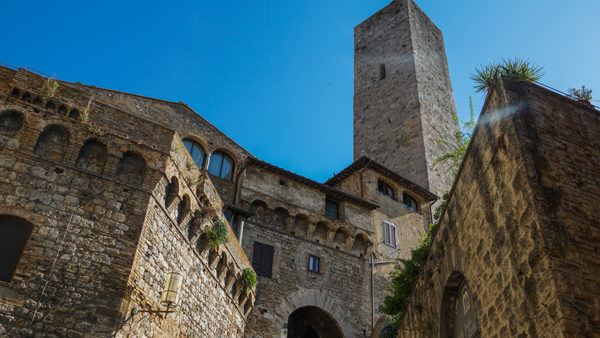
(312, 322)
(458, 312)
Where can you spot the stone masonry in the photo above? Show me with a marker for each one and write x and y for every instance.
(521, 227)
(103, 193)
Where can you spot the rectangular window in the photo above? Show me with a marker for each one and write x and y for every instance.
(389, 234)
(314, 263)
(262, 259)
(332, 209)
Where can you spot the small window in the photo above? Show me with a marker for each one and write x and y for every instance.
(382, 71)
(314, 264)
(389, 234)
(410, 202)
(283, 182)
(196, 151)
(221, 165)
(262, 259)
(386, 189)
(332, 209)
(229, 215)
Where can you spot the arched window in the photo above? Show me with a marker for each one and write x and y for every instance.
(14, 233)
(410, 202)
(221, 165)
(52, 143)
(196, 151)
(386, 189)
(92, 157)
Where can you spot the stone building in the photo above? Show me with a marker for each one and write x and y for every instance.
(104, 193)
(516, 252)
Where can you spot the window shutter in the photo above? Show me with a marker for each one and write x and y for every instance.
(393, 235)
(262, 259)
(386, 233)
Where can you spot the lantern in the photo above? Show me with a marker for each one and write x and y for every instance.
(170, 293)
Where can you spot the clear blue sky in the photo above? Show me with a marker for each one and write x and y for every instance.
(277, 75)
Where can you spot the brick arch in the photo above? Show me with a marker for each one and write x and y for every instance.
(310, 297)
(92, 156)
(53, 142)
(11, 122)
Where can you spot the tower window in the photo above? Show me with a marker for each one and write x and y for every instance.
(386, 189)
(221, 165)
(410, 202)
(382, 71)
(262, 259)
(196, 151)
(314, 264)
(389, 234)
(332, 209)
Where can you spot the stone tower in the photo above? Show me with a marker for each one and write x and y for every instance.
(403, 101)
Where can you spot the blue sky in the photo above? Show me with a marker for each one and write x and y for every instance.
(277, 76)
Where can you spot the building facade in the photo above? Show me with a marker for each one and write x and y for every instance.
(106, 195)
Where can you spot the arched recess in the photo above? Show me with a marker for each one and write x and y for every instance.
(11, 121)
(132, 168)
(361, 245)
(313, 298)
(281, 217)
(14, 233)
(260, 210)
(52, 143)
(321, 232)
(301, 224)
(340, 238)
(458, 315)
(92, 157)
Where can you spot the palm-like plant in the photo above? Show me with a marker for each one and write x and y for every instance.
(515, 68)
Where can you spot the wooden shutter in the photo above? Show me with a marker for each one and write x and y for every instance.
(262, 259)
(386, 233)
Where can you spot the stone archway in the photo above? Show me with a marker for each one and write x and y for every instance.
(315, 305)
(312, 322)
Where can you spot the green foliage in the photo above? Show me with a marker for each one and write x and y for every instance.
(95, 130)
(50, 88)
(404, 277)
(581, 94)
(249, 278)
(515, 68)
(217, 234)
(462, 139)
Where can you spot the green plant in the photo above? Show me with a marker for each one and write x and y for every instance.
(462, 139)
(404, 277)
(249, 278)
(217, 234)
(515, 68)
(50, 88)
(95, 130)
(581, 94)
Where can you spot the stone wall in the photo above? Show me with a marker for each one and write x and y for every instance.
(520, 224)
(90, 186)
(213, 301)
(294, 223)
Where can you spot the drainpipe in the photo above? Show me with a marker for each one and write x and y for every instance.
(372, 294)
(241, 231)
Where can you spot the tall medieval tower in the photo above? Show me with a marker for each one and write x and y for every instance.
(403, 101)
